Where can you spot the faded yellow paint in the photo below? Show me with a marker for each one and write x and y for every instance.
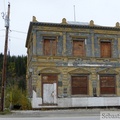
(48, 63)
(119, 45)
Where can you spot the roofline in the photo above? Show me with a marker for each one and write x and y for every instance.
(74, 25)
(29, 29)
(67, 26)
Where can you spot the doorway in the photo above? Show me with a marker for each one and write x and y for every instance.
(49, 85)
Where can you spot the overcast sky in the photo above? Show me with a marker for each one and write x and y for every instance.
(103, 12)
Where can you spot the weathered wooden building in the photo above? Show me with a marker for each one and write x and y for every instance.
(73, 64)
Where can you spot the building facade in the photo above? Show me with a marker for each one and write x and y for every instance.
(73, 64)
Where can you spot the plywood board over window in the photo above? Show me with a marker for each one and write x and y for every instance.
(50, 47)
(105, 49)
(79, 85)
(79, 47)
(107, 84)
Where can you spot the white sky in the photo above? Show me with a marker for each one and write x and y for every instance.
(103, 12)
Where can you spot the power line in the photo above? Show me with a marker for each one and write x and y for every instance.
(13, 37)
(16, 38)
(14, 31)
(18, 31)
(2, 30)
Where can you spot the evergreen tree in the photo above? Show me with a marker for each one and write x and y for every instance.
(15, 81)
(15, 72)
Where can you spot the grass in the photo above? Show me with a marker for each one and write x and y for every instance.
(5, 112)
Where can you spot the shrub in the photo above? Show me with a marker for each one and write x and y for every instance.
(17, 99)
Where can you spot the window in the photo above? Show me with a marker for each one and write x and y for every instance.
(79, 85)
(107, 84)
(79, 47)
(50, 47)
(105, 49)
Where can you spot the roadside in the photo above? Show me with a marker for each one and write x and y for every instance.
(58, 113)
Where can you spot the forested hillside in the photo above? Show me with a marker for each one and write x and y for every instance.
(15, 90)
(16, 71)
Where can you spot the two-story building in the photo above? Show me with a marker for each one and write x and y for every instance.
(73, 64)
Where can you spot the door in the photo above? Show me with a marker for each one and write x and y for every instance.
(49, 89)
(47, 93)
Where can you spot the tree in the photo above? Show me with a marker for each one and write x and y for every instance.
(15, 80)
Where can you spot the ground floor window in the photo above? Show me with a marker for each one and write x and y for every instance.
(79, 85)
(107, 84)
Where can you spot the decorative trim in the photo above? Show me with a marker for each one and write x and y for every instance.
(107, 71)
(49, 70)
(79, 71)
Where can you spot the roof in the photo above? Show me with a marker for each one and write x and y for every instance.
(79, 23)
(73, 25)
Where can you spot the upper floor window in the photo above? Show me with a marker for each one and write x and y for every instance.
(105, 49)
(50, 46)
(79, 47)
(107, 84)
(79, 85)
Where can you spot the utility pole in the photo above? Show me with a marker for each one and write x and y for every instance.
(5, 59)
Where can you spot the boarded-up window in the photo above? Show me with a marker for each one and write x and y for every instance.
(50, 47)
(105, 49)
(78, 47)
(79, 85)
(107, 84)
